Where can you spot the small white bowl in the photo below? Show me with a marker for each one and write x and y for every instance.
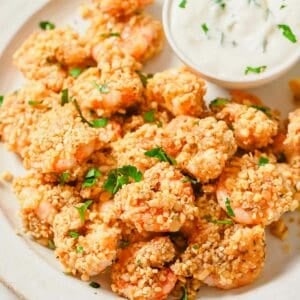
(243, 82)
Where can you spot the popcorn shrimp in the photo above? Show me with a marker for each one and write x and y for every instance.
(201, 147)
(226, 257)
(140, 274)
(177, 90)
(47, 55)
(162, 202)
(254, 189)
(85, 245)
(252, 128)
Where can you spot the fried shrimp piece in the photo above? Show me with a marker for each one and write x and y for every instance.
(252, 127)
(117, 8)
(130, 150)
(226, 257)
(61, 141)
(140, 274)
(257, 189)
(140, 36)
(21, 110)
(40, 202)
(47, 55)
(105, 93)
(201, 147)
(292, 141)
(162, 202)
(85, 244)
(177, 90)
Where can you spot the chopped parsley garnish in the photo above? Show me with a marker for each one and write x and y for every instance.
(34, 103)
(219, 102)
(1, 100)
(218, 222)
(149, 116)
(144, 77)
(63, 178)
(264, 109)
(82, 209)
(189, 179)
(110, 34)
(282, 6)
(74, 234)
(263, 161)
(160, 154)
(204, 28)
(46, 25)
(51, 245)
(100, 123)
(184, 293)
(79, 249)
(287, 32)
(121, 176)
(94, 285)
(256, 70)
(229, 209)
(91, 177)
(123, 244)
(75, 72)
(183, 3)
(221, 3)
(196, 247)
(103, 88)
(64, 97)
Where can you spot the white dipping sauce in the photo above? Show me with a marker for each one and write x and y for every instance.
(226, 37)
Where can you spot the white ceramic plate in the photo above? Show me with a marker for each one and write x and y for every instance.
(32, 271)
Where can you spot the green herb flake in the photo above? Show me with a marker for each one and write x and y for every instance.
(64, 97)
(288, 33)
(204, 28)
(75, 72)
(110, 34)
(144, 77)
(218, 222)
(1, 100)
(122, 244)
(189, 179)
(221, 3)
(51, 245)
(100, 123)
(229, 209)
(282, 6)
(160, 154)
(79, 249)
(83, 119)
(219, 102)
(94, 285)
(46, 25)
(149, 116)
(263, 161)
(255, 70)
(195, 247)
(34, 103)
(265, 110)
(74, 234)
(183, 3)
(102, 88)
(63, 178)
(121, 176)
(82, 209)
(184, 293)
(91, 177)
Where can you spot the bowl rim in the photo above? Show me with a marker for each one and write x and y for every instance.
(253, 79)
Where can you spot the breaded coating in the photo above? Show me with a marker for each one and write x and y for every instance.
(131, 149)
(292, 142)
(115, 8)
(47, 55)
(85, 246)
(21, 110)
(252, 128)
(139, 273)
(201, 147)
(178, 90)
(226, 257)
(107, 93)
(162, 202)
(140, 36)
(257, 189)
(40, 202)
(61, 140)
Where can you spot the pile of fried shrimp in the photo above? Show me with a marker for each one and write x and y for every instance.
(133, 174)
